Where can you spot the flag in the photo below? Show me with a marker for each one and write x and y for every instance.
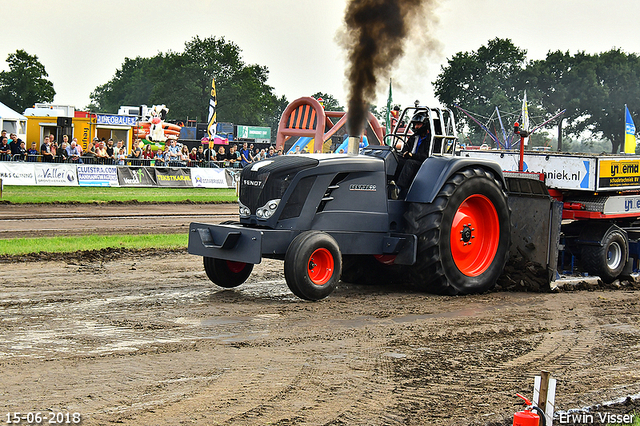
(212, 119)
(524, 125)
(629, 133)
(389, 101)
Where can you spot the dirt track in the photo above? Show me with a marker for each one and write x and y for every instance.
(146, 339)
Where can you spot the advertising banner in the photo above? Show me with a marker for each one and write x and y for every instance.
(619, 173)
(561, 171)
(97, 175)
(136, 176)
(210, 178)
(14, 173)
(116, 120)
(53, 174)
(173, 176)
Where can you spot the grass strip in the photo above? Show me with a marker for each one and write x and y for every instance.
(68, 244)
(92, 194)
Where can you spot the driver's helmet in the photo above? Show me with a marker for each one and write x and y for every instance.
(420, 117)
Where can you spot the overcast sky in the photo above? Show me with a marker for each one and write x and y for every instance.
(82, 43)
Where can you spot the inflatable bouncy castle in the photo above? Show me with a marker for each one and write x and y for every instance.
(153, 127)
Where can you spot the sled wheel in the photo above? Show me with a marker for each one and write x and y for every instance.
(226, 273)
(463, 235)
(312, 265)
(606, 261)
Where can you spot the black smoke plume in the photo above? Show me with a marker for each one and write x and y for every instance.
(375, 35)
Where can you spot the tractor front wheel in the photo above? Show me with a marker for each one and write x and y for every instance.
(312, 265)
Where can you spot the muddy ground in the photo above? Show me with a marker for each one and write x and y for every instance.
(145, 339)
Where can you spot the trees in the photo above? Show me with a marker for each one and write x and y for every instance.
(330, 103)
(593, 88)
(481, 80)
(25, 83)
(182, 81)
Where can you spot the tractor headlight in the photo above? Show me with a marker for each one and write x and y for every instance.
(266, 211)
(244, 210)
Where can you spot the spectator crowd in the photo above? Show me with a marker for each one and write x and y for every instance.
(100, 151)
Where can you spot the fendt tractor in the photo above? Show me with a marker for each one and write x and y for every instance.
(334, 215)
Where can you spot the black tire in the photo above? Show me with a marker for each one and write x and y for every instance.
(226, 273)
(606, 261)
(312, 265)
(443, 264)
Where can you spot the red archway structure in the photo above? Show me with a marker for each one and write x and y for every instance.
(305, 117)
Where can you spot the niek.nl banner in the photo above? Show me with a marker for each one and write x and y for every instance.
(14, 173)
(54, 174)
(97, 175)
(173, 176)
(136, 176)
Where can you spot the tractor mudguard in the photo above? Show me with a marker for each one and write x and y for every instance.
(435, 171)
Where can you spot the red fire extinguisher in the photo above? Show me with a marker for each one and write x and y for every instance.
(528, 417)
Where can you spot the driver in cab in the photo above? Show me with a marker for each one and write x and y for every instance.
(414, 151)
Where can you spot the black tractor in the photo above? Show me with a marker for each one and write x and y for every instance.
(334, 215)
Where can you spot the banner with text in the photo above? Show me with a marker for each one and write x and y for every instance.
(173, 176)
(136, 176)
(210, 178)
(97, 175)
(53, 174)
(17, 173)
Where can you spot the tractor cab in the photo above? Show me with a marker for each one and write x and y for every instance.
(441, 124)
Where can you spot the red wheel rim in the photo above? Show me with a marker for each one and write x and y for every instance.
(475, 235)
(235, 267)
(320, 266)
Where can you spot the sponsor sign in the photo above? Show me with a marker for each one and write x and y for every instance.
(14, 173)
(561, 171)
(619, 173)
(210, 178)
(173, 176)
(136, 176)
(253, 132)
(97, 175)
(53, 174)
(116, 120)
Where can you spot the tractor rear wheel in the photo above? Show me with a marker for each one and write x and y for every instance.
(226, 273)
(312, 265)
(463, 235)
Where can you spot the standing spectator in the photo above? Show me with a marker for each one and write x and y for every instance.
(110, 148)
(233, 157)
(147, 155)
(193, 157)
(200, 155)
(5, 149)
(136, 153)
(65, 138)
(245, 155)
(14, 144)
(159, 157)
(120, 156)
(184, 154)
(221, 157)
(32, 153)
(174, 152)
(53, 145)
(22, 151)
(45, 151)
(73, 153)
(62, 153)
(101, 153)
(116, 151)
(271, 153)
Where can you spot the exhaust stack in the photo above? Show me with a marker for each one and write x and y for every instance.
(353, 146)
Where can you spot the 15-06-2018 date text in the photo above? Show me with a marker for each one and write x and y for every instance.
(43, 417)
